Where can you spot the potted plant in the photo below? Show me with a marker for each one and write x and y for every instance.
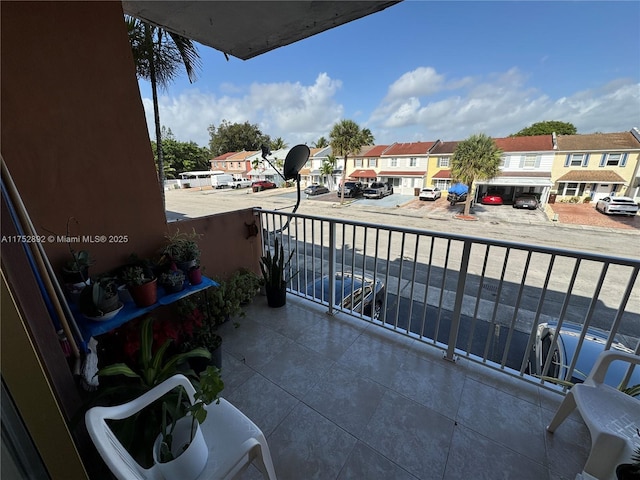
(199, 330)
(180, 450)
(246, 285)
(143, 289)
(151, 366)
(172, 281)
(195, 275)
(274, 273)
(183, 249)
(100, 299)
(76, 270)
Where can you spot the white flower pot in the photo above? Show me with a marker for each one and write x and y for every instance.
(189, 464)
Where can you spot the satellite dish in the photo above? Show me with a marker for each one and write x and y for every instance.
(294, 161)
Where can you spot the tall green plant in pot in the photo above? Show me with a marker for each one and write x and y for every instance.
(274, 269)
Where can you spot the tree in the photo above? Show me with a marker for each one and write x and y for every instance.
(327, 168)
(235, 137)
(547, 128)
(476, 158)
(347, 139)
(159, 57)
(321, 143)
(182, 156)
(278, 144)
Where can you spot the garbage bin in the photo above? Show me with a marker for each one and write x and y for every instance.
(552, 197)
(416, 191)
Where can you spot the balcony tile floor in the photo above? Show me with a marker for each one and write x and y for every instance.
(338, 398)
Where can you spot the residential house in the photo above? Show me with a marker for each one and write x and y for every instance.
(439, 165)
(596, 165)
(367, 163)
(239, 164)
(404, 166)
(220, 162)
(312, 171)
(525, 168)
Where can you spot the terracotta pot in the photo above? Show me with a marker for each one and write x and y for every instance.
(195, 276)
(145, 295)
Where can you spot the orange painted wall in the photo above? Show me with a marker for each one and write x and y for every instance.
(74, 135)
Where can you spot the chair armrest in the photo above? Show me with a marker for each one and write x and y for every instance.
(599, 370)
(119, 412)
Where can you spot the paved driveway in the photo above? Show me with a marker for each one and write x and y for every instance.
(586, 214)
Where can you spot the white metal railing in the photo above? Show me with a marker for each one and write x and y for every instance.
(487, 300)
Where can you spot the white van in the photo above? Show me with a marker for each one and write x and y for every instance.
(221, 180)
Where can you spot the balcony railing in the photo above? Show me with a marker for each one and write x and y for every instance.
(487, 300)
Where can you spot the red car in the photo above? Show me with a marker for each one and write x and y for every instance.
(263, 185)
(491, 199)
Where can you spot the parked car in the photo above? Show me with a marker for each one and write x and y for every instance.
(316, 190)
(262, 185)
(565, 349)
(364, 295)
(617, 206)
(429, 193)
(454, 198)
(377, 190)
(491, 199)
(351, 189)
(526, 201)
(240, 183)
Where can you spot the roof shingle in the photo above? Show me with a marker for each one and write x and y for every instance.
(598, 141)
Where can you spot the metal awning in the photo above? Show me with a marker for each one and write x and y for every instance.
(518, 181)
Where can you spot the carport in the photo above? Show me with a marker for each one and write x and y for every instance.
(510, 184)
(404, 181)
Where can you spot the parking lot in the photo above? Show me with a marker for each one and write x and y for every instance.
(577, 227)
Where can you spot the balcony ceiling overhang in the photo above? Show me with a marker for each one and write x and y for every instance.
(246, 29)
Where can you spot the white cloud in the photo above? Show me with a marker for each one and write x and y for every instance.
(498, 105)
(297, 113)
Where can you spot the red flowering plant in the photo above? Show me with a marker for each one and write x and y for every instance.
(198, 329)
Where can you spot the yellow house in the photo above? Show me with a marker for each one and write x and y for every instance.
(596, 165)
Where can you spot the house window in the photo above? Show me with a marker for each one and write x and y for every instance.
(443, 162)
(577, 160)
(529, 161)
(395, 181)
(372, 162)
(613, 159)
(413, 161)
(215, 164)
(393, 162)
(571, 189)
(503, 162)
(358, 162)
(442, 184)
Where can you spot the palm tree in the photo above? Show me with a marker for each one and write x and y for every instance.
(159, 56)
(321, 143)
(327, 168)
(347, 139)
(278, 144)
(476, 158)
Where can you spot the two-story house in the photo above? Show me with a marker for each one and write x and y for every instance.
(238, 164)
(439, 165)
(526, 166)
(404, 166)
(219, 163)
(366, 163)
(311, 172)
(596, 165)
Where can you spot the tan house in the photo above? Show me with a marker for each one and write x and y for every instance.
(404, 165)
(596, 165)
(366, 164)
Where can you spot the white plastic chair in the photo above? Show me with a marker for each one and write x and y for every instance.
(612, 417)
(233, 440)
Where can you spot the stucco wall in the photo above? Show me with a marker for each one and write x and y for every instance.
(74, 135)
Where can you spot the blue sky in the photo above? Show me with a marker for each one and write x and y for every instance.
(422, 71)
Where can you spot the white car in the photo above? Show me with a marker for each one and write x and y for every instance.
(429, 193)
(617, 205)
